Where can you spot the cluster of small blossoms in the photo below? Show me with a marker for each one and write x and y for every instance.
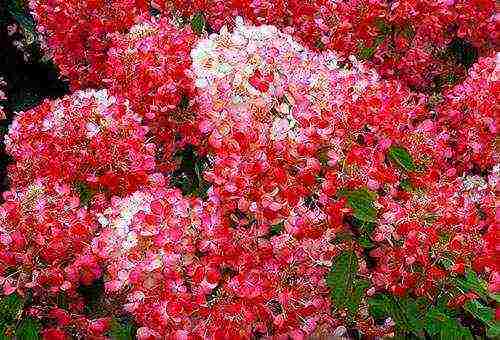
(89, 137)
(444, 222)
(149, 66)
(188, 270)
(45, 237)
(76, 34)
(469, 115)
(287, 128)
(280, 118)
(406, 39)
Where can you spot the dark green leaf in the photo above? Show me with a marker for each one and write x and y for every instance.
(345, 288)
(439, 325)
(11, 307)
(198, 23)
(29, 329)
(276, 229)
(362, 203)
(401, 157)
(406, 185)
(189, 175)
(84, 192)
(122, 331)
(494, 331)
(18, 11)
(480, 312)
(471, 282)
(404, 312)
(366, 53)
(4, 331)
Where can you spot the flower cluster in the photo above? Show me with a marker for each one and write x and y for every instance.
(417, 41)
(43, 226)
(258, 181)
(76, 34)
(88, 137)
(188, 270)
(149, 66)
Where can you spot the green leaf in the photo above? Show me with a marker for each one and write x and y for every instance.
(189, 175)
(362, 202)
(471, 282)
(401, 157)
(494, 331)
(121, 331)
(439, 325)
(18, 11)
(366, 53)
(365, 241)
(11, 307)
(406, 185)
(404, 312)
(495, 297)
(4, 330)
(29, 329)
(276, 229)
(198, 23)
(84, 192)
(346, 289)
(480, 312)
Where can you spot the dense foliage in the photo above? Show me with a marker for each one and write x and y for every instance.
(254, 169)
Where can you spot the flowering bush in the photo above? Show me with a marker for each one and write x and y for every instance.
(329, 172)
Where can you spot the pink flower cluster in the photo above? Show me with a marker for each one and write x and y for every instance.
(290, 123)
(405, 39)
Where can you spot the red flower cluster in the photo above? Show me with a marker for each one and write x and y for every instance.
(149, 66)
(304, 165)
(88, 137)
(77, 34)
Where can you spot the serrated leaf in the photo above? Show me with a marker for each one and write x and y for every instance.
(404, 312)
(471, 282)
(362, 202)
(346, 289)
(198, 23)
(28, 329)
(439, 325)
(360, 287)
(480, 311)
(401, 157)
